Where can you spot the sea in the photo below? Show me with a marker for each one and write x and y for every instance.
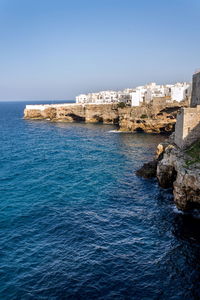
(77, 223)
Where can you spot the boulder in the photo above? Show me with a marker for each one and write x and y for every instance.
(148, 170)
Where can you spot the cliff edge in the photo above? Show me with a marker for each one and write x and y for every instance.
(180, 169)
(177, 169)
(146, 118)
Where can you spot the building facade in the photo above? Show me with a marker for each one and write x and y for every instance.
(139, 95)
(187, 128)
(195, 89)
(180, 91)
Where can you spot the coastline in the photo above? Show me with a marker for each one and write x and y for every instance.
(177, 169)
(170, 165)
(146, 118)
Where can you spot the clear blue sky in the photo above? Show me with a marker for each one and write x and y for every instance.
(56, 49)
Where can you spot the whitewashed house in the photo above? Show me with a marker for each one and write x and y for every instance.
(82, 98)
(180, 91)
(139, 95)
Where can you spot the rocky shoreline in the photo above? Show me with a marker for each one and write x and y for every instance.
(173, 167)
(178, 169)
(146, 118)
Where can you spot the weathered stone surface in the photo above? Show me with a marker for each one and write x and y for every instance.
(47, 113)
(173, 171)
(187, 190)
(187, 126)
(147, 118)
(91, 113)
(177, 170)
(148, 170)
(166, 175)
(160, 149)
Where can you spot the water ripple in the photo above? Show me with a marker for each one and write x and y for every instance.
(76, 223)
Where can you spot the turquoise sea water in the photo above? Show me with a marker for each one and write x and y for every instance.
(76, 222)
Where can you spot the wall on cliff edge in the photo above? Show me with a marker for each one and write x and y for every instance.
(187, 126)
(195, 90)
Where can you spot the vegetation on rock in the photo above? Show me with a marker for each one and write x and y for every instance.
(121, 105)
(143, 116)
(194, 153)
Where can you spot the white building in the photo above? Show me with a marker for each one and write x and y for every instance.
(81, 98)
(136, 98)
(153, 90)
(139, 95)
(105, 97)
(145, 94)
(108, 96)
(180, 91)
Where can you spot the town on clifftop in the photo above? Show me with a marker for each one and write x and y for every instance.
(140, 95)
(151, 108)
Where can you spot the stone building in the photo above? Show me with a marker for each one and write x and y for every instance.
(188, 119)
(195, 89)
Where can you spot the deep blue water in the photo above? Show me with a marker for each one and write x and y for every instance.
(76, 222)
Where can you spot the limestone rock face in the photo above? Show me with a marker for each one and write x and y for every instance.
(148, 170)
(107, 114)
(89, 113)
(47, 113)
(147, 118)
(70, 113)
(150, 119)
(172, 171)
(33, 114)
(166, 172)
(187, 190)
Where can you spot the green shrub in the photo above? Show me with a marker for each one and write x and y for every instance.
(194, 152)
(121, 105)
(143, 116)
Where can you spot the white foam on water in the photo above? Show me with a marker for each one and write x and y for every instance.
(177, 211)
(194, 213)
(118, 131)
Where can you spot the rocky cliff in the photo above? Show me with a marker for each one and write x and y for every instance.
(148, 118)
(177, 169)
(107, 114)
(180, 169)
(173, 167)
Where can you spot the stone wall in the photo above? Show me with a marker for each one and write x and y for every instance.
(188, 119)
(179, 128)
(159, 101)
(187, 127)
(195, 90)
